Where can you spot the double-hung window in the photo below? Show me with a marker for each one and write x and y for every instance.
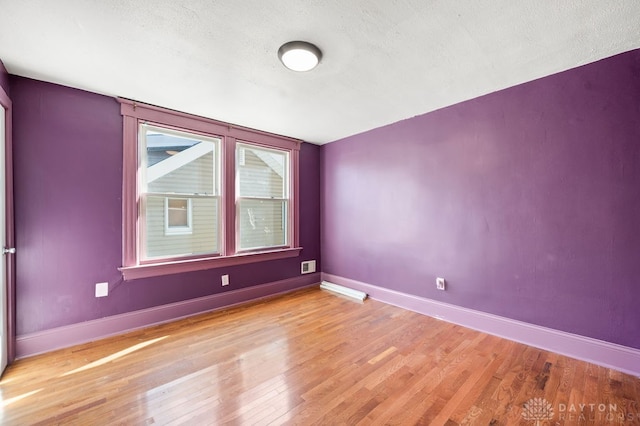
(178, 176)
(262, 190)
(200, 194)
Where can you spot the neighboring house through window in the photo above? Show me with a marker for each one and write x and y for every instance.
(178, 216)
(199, 194)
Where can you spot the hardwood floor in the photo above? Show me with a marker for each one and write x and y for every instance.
(311, 357)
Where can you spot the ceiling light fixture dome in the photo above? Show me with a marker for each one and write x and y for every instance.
(299, 55)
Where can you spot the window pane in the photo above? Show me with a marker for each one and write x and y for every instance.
(177, 164)
(262, 223)
(182, 164)
(202, 239)
(261, 172)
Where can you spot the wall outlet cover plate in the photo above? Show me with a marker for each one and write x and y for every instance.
(102, 289)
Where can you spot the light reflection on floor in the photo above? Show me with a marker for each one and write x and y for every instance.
(265, 392)
(5, 402)
(114, 356)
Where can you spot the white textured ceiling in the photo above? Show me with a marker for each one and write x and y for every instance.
(383, 60)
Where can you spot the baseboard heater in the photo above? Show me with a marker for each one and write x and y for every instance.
(344, 291)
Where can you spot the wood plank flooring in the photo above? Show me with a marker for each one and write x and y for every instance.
(308, 358)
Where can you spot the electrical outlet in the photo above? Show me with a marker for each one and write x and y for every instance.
(102, 289)
(440, 283)
(225, 280)
(308, 267)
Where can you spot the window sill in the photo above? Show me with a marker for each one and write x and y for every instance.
(178, 266)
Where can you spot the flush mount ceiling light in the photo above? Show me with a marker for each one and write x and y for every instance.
(299, 55)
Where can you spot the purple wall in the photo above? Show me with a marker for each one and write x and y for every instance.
(68, 185)
(526, 200)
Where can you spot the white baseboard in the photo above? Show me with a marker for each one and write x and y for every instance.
(62, 337)
(596, 351)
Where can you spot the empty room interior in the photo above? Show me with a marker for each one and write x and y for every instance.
(300, 212)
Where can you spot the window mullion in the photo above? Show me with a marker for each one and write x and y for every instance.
(229, 231)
